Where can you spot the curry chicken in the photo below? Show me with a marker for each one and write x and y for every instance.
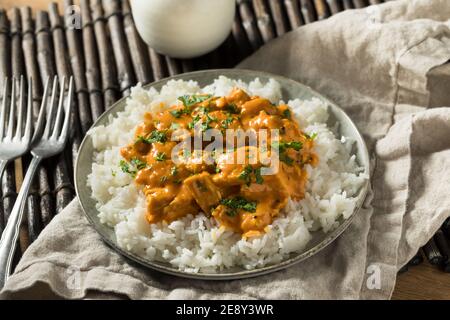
(235, 193)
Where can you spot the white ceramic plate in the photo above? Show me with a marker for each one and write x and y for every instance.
(290, 90)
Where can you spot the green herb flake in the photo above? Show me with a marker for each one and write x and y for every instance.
(125, 167)
(211, 119)
(204, 110)
(287, 114)
(174, 171)
(248, 171)
(232, 108)
(176, 113)
(226, 123)
(231, 212)
(195, 119)
(205, 126)
(296, 145)
(189, 101)
(236, 203)
(245, 174)
(283, 146)
(286, 159)
(155, 136)
(139, 164)
(160, 156)
(258, 176)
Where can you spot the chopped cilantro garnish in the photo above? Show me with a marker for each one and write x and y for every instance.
(195, 119)
(232, 108)
(245, 175)
(161, 156)
(163, 179)
(204, 110)
(296, 145)
(139, 164)
(205, 126)
(189, 101)
(176, 113)
(174, 171)
(287, 113)
(125, 167)
(286, 159)
(258, 176)
(226, 123)
(236, 203)
(142, 139)
(283, 146)
(210, 119)
(155, 136)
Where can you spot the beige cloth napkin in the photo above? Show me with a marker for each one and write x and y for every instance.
(385, 65)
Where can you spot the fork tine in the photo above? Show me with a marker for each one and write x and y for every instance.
(20, 110)
(4, 106)
(52, 109)
(41, 118)
(12, 110)
(68, 111)
(58, 120)
(29, 120)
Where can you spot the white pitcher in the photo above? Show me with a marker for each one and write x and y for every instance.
(183, 28)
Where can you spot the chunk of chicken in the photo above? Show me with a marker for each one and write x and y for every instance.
(182, 205)
(157, 199)
(204, 191)
(253, 107)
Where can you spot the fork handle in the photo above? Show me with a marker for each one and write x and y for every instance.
(10, 234)
(3, 164)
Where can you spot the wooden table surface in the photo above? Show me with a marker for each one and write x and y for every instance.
(420, 282)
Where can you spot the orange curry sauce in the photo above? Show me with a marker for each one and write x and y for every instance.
(236, 195)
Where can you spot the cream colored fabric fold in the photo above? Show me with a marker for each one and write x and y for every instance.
(384, 65)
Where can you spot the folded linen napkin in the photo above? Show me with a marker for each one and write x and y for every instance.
(385, 65)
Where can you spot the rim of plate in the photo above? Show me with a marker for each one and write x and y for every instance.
(243, 273)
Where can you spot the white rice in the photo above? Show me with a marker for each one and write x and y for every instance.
(196, 243)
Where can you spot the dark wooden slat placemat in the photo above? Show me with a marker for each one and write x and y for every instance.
(107, 57)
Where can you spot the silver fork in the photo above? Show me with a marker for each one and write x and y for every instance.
(15, 138)
(49, 139)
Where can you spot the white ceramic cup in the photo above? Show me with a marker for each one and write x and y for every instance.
(183, 28)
